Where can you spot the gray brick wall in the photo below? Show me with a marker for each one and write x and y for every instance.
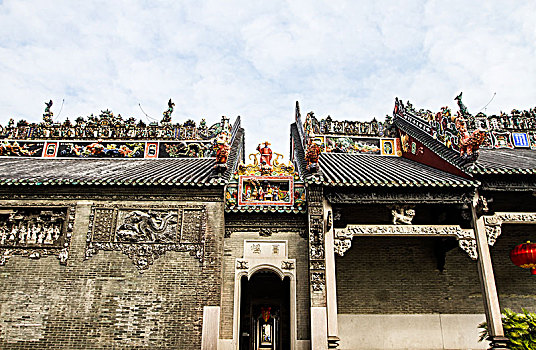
(297, 249)
(105, 302)
(398, 275)
(516, 287)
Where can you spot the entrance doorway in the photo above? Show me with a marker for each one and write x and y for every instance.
(265, 312)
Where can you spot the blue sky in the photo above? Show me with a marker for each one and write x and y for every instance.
(347, 59)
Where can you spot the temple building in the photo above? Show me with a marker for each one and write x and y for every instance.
(395, 234)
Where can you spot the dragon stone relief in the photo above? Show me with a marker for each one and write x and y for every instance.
(146, 227)
(466, 239)
(144, 234)
(36, 232)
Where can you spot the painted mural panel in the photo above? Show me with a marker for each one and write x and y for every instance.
(100, 149)
(266, 190)
(9, 148)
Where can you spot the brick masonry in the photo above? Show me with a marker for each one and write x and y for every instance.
(105, 302)
(297, 249)
(515, 286)
(398, 275)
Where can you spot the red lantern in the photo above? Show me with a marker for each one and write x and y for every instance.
(524, 255)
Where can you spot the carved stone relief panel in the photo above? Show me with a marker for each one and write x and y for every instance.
(36, 232)
(466, 239)
(394, 198)
(494, 222)
(318, 281)
(146, 233)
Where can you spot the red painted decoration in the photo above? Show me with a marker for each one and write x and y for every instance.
(524, 255)
(265, 313)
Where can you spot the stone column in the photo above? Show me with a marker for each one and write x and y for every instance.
(211, 328)
(487, 279)
(317, 268)
(331, 282)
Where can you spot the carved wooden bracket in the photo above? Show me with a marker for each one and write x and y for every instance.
(466, 238)
(494, 222)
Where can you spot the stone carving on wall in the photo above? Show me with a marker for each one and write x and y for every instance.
(318, 281)
(393, 197)
(262, 231)
(146, 233)
(242, 265)
(466, 239)
(402, 215)
(317, 264)
(316, 237)
(287, 265)
(36, 232)
(494, 222)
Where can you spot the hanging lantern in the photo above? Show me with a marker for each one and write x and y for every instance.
(524, 255)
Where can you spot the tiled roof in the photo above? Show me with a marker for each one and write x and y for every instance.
(490, 161)
(434, 145)
(505, 161)
(236, 153)
(133, 172)
(343, 169)
(299, 152)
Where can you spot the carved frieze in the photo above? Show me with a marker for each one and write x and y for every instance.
(315, 210)
(318, 281)
(262, 231)
(393, 197)
(287, 265)
(494, 222)
(265, 224)
(146, 233)
(36, 232)
(318, 265)
(242, 265)
(316, 228)
(466, 239)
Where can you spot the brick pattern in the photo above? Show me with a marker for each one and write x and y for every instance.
(105, 302)
(297, 249)
(398, 275)
(515, 286)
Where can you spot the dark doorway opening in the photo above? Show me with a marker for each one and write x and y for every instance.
(265, 312)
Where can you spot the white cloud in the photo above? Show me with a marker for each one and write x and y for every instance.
(344, 58)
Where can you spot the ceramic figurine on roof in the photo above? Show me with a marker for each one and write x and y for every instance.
(266, 185)
(469, 144)
(221, 145)
(167, 113)
(108, 126)
(504, 131)
(47, 116)
(463, 109)
(311, 156)
(265, 157)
